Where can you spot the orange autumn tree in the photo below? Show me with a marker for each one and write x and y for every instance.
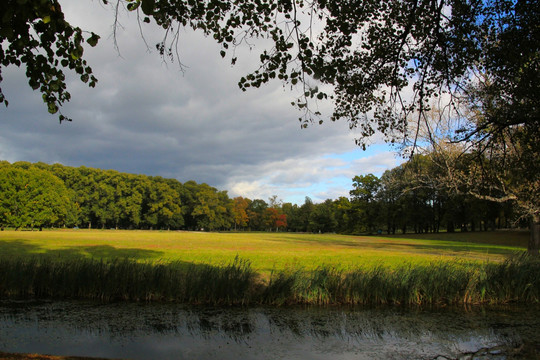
(275, 219)
(240, 212)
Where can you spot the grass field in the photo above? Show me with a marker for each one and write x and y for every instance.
(268, 268)
(265, 251)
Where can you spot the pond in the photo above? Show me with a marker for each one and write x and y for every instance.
(168, 331)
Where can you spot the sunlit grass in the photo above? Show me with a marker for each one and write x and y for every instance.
(266, 251)
(267, 268)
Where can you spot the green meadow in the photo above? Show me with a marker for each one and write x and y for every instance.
(265, 251)
(268, 268)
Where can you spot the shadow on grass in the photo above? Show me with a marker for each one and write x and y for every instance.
(513, 238)
(497, 243)
(458, 249)
(26, 249)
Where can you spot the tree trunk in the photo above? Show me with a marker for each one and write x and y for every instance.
(450, 226)
(534, 240)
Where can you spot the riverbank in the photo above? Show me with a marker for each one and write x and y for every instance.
(18, 356)
(528, 351)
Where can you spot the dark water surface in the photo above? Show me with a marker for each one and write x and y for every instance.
(165, 331)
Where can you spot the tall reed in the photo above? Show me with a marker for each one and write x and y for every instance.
(514, 280)
(126, 279)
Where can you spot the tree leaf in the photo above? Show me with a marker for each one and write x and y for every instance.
(93, 40)
(148, 6)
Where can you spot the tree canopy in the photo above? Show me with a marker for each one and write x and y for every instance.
(33, 198)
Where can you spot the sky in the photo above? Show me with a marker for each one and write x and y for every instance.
(147, 116)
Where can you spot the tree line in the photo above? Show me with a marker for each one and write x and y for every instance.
(41, 195)
(407, 198)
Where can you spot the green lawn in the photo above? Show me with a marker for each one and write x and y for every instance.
(266, 251)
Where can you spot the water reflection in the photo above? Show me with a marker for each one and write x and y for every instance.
(165, 331)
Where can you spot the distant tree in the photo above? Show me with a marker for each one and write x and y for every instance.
(213, 209)
(389, 195)
(240, 212)
(271, 218)
(281, 222)
(31, 197)
(304, 215)
(274, 217)
(365, 208)
(255, 211)
(188, 197)
(103, 204)
(227, 217)
(274, 202)
(82, 181)
(343, 215)
(365, 187)
(323, 218)
(162, 206)
(291, 211)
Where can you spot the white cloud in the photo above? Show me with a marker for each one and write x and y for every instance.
(319, 177)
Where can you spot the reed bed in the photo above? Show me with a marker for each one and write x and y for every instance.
(514, 280)
(126, 279)
(236, 283)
